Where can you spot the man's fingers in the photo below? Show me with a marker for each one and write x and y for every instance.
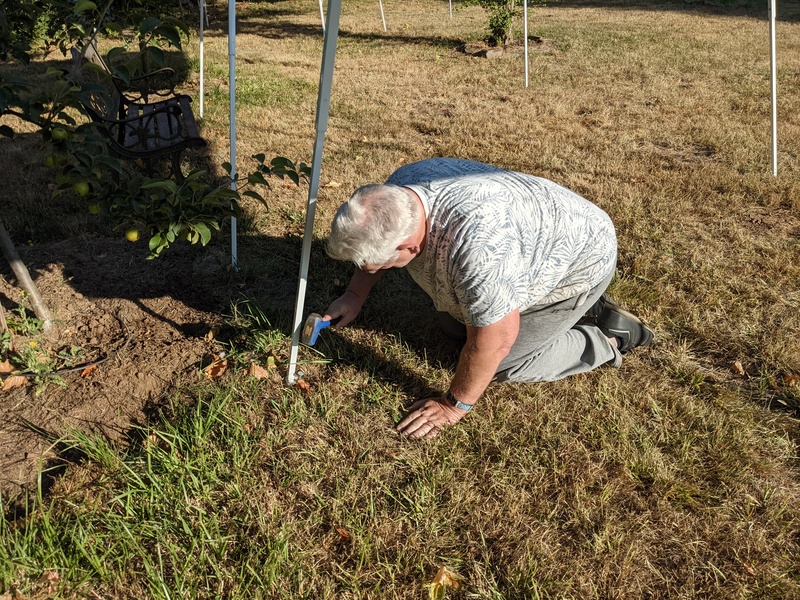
(339, 321)
(414, 412)
(411, 423)
(421, 430)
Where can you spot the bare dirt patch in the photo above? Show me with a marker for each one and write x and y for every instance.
(145, 322)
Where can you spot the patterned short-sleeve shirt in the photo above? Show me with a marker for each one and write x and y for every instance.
(500, 240)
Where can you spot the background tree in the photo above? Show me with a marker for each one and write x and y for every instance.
(501, 15)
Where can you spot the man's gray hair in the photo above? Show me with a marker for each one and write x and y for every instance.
(368, 228)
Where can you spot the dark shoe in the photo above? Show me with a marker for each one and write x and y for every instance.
(615, 321)
(597, 308)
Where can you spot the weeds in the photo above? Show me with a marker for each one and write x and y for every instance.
(27, 353)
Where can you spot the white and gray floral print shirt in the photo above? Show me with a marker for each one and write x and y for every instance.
(500, 240)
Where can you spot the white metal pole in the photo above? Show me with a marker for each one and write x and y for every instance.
(202, 6)
(774, 86)
(383, 17)
(323, 110)
(232, 86)
(451, 8)
(525, 28)
(322, 17)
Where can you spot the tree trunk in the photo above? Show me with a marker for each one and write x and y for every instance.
(25, 281)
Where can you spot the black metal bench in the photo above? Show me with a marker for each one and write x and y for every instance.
(134, 127)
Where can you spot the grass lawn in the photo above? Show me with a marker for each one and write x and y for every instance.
(675, 476)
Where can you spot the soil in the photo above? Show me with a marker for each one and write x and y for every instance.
(145, 324)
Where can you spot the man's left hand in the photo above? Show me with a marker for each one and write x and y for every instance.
(428, 417)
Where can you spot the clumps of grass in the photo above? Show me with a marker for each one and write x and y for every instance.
(169, 516)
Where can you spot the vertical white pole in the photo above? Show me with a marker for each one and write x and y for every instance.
(232, 86)
(322, 17)
(525, 28)
(774, 86)
(383, 17)
(323, 110)
(202, 5)
(451, 8)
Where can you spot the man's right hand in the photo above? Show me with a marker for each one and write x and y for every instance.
(347, 306)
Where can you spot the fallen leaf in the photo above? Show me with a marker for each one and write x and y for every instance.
(445, 578)
(257, 371)
(289, 184)
(217, 368)
(6, 368)
(333, 184)
(304, 386)
(344, 533)
(50, 578)
(210, 335)
(89, 370)
(791, 379)
(750, 571)
(14, 381)
(737, 368)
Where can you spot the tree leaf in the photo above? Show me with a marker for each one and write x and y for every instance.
(217, 368)
(14, 381)
(6, 368)
(169, 33)
(148, 25)
(447, 578)
(84, 6)
(205, 233)
(155, 243)
(257, 178)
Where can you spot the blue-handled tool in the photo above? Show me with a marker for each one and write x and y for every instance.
(313, 325)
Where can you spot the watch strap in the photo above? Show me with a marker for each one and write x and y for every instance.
(457, 403)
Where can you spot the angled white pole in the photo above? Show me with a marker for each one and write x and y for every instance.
(202, 6)
(323, 110)
(322, 17)
(525, 18)
(383, 17)
(232, 86)
(774, 86)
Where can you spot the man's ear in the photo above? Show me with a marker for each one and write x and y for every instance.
(412, 248)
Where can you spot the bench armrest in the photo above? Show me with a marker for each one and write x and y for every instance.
(138, 89)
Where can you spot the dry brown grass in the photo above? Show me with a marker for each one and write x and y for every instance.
(673, 477)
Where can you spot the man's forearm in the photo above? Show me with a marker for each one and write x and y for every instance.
(475, 371)
(362, 282)
(485, 349)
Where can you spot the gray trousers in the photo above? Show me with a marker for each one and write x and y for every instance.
(551, 344)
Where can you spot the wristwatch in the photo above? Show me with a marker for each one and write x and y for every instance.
(457, 403)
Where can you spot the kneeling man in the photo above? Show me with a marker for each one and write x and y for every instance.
(512, 263)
